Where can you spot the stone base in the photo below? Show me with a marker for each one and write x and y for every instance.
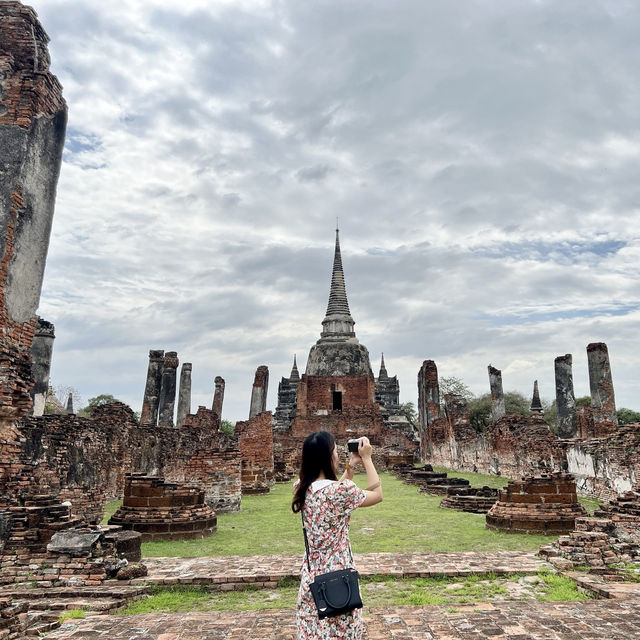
(164, 511)
(546, 505)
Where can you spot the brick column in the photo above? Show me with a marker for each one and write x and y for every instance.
(218, 396)
(184, 394)
(497, 396)
(428, 394)
(151, 398)
(565, 397)
(259, 391)
(41, 351)
(168, 389)
(600, 382)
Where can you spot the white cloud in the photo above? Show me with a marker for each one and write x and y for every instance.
(482, 158)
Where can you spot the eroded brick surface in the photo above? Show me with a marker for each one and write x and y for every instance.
(617, 620)
(234, 571)
(164, 510)
(545, 505)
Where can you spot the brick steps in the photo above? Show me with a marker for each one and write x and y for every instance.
(47, 605)
(235, 572)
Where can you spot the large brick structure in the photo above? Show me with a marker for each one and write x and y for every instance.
(33, 117)
(337, 391)
(545, 505)
(161, 510)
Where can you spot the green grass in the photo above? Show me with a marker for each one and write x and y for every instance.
(404, 521)
(590, 504)
(559, 588)
(109, 509)
(377, 591)
(72, 614)
(184, 598)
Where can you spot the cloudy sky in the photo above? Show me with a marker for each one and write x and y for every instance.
(482, 157)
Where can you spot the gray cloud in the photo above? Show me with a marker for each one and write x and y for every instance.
(482, 158)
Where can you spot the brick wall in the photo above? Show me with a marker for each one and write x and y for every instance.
(32, 125)
(84, 460)
(255, 443)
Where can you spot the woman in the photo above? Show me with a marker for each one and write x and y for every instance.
(326, 504)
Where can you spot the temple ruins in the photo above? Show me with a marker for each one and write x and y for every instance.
(337, 392)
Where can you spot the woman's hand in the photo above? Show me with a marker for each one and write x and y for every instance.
(364, 448)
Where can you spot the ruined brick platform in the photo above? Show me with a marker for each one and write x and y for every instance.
(545, 505)
(471, 500)
(610, 620)
(162, 510)
(232, 572)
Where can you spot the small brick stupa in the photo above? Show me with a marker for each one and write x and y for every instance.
(546, 505)
(162, 510)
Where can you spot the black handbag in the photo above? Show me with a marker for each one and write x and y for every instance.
(336, 592)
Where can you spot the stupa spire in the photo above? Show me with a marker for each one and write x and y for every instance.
(383, 370)
(338, 322)
(295, 374)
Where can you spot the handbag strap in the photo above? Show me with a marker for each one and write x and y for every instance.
(306, 543)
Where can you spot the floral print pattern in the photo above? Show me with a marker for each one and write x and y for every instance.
(326, 514)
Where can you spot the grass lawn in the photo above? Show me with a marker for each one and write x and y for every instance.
(376, 592)
(404, 521)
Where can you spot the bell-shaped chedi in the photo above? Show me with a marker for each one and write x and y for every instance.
(338, 352)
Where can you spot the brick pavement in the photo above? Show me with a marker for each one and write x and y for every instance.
(606, 619)
(233, 571)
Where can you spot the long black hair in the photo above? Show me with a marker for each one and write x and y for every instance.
(317, 454)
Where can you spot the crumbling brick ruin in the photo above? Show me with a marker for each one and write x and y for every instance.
(33, 117)
(255, 443)
(471, 500)
(611, 536)
(544, 505)
(604, 457)
(337, 392)
(161, 510)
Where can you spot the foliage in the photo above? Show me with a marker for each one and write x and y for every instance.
(559, 588)
(454, 385)
(227, 427)
(73, 614)
(266, 526)
(584, 401)
(480, 408)
(408, 410)
(103, 398)
(626, 416)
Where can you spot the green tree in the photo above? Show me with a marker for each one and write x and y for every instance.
(103, 398)
(454, 385)
(408, 410)
(480, 408)
(627, 416)
(584, 401)
(227, 427)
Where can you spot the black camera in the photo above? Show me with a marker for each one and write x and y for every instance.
(352, 445)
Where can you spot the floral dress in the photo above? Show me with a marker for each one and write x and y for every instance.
(326, 513)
